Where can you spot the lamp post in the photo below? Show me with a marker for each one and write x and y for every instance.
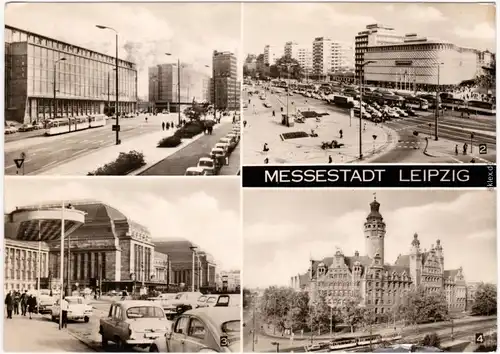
(117, 128)
(55, 89)
(361, 107)
(61, 266)
(178, 85)
(193, 249)
(437, 103)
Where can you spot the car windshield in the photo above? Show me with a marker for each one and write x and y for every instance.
(231, 327)
(178, 296)
(145, 312)
(211, 300)
(223, 300)
(206, 163)
(202, 298)
(74, 301)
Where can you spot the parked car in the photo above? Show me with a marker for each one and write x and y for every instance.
(232, 300)
(208, 329)
(187, 299)
(224, 146)
(230, 141)
(78, 309)
(45, 303)
(208, 165)
(133, 323)
(195, 171)
(26, 128)
(10, 130)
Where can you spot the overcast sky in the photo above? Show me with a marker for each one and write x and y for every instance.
(470, 25)
(284, 228)
(191, 31)
(204, 212)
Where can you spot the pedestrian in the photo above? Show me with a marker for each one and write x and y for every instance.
(244, 124)
(266, 160)
(64, 312)
(9, 304)
(31, 305)
(265, 148)
(16, 303)
(146, 119)
(473, 160)
(330, 160)
(162, 125)
(364, 126)
(465, 149)
(274, 113)
(24, 302)
(341, 133)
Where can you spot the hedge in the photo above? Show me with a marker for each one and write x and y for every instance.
(189, 130)
(169, 142)
(123, 165)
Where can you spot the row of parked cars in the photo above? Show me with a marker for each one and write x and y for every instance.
(12, 128)
(219, 155)
(199, 327)
(381, 113)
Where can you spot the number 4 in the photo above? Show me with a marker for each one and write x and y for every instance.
(480, 338)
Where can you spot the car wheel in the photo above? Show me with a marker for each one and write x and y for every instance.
(153, 349)
(120, 344)
(86, 319)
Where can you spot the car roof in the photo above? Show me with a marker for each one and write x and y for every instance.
(217, 315)
(206, 159)
(194, 169)
(217, 149)
(73, 297)
(126, 304)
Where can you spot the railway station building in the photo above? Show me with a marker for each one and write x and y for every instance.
(47, 78)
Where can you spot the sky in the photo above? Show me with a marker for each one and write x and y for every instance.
(204, 212)
(291, 226)
(190, 31)
(469, 25)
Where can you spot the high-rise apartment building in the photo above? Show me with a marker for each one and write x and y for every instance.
(225, 84)
(84, 79)
(272, 54)
(302, 53)
(330, 56)
(374, 35)
(163, 86)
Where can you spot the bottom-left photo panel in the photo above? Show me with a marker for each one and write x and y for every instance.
(122, 264)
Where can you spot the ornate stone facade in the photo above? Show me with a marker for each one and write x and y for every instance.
(380, 285)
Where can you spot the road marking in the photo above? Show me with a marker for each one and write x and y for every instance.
(480, 158)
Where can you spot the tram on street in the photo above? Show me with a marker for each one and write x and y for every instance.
(68, 125)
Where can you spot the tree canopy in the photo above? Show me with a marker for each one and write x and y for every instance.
(284, 66)
(485, 300)
(423, 306)
(196, 111)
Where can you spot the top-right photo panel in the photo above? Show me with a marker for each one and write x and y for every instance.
(342, 83)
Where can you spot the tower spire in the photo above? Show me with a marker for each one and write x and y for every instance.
(375, 196)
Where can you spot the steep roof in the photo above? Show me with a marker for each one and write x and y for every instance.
(403, 261)
(450, 273)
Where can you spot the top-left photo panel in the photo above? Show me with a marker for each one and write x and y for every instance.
(142, 89)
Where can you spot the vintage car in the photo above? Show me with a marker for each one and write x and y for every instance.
(207, 329)
(133, 323)
(45, 303)
(224, 146)
(195, 171)
(233, 300)
(78, 309)
(231, 141)
(10, 129)
(26, 127)
(207, 301)
(182, 301)
(208, 165)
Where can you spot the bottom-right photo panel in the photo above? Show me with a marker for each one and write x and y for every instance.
(370, 271)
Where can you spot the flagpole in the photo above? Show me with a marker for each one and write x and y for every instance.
(61, 271)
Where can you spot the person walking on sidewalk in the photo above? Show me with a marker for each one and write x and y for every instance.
(64, 312)
(465, 148)
(31, 305)
(162, 125)
(16, 303)
(24, 302)
(330, 160)
(9, 304)
(456, 149)
(341, 133)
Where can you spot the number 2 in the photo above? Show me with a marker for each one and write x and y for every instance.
(480, 338)
(483, 149)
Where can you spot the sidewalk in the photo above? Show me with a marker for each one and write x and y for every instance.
(39, 335)
(145, 143)
(263, 128)
(445, 149)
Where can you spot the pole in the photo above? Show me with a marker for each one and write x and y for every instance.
(192, 286)
(108, 91)
(61, 269)
(360, 116)
(437, 107)
(331, 320)
(287, 92)
(116, 86)
(179, 88)
(253, 332)
(68, 269)
(39, 261)
(54, 114)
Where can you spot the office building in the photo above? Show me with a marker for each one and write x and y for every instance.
(225, 85)
(330, 56)
(272, 54)
(163, 86)
(302, 53)
(374, 35)
(84, 80)
(420, 62)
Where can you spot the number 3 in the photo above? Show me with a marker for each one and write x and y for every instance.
(223, 341)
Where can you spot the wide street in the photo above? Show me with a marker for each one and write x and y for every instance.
(177, 163)
(45, 152)
(404, 146)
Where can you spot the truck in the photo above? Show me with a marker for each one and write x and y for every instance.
(343, 101)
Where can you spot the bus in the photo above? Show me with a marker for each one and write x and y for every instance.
(452, 103)
(417, 103)
(480, 107)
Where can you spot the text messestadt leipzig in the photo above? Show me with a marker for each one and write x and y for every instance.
(304, 175)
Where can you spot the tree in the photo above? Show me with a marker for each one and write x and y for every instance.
(431, 340)
(287, 65)
(320, 314)
(488, 79)
(275, 305)
(196, 111)
(423, 306)
(352, 313)
(485, 300)
(297, 315)
(247, 298)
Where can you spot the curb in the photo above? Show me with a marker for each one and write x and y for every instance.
(83, 341)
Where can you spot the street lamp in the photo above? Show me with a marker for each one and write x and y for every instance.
(437, 104)
(193, 249)
(277, 344)
(178, 85)
(117, 128)
(61, 266)
(361, 107)
(55, 89)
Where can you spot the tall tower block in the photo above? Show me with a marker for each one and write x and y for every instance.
(375, 231)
